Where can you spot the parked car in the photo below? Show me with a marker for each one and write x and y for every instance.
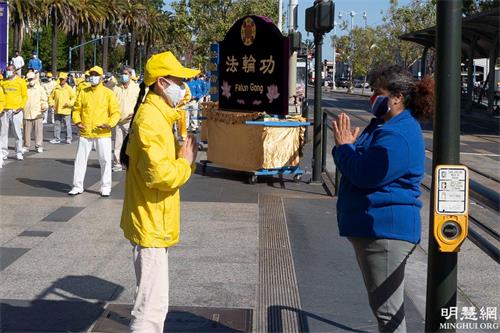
(342, 83)
(359, 84)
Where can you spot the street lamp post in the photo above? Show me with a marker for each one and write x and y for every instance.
(365, 16)
(37, 32)
(352, 14)
(141, 46)
(94, 40)
(334, 55)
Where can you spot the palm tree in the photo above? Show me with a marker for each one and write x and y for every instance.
(61, 15)
(89, 17)
(114, 11)
(156, 31)
(22, 14)
(134, 18)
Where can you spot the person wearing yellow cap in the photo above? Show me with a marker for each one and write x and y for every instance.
(33, 113)
(16, 95)
(157, 167)
(84, 83)
(95, 113)
(126, 93)
(62, 100)
(48, 85)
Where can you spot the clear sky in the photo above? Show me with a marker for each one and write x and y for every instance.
(373, 10)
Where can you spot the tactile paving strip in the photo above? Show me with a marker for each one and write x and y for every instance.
(278, 303)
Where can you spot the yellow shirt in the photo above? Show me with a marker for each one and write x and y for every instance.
(151, 206)
(2, 101)
(16, 94)
(96, 106)
(37, 101)
(60, 97)
(127, 98)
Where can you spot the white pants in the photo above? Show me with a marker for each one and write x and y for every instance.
(82, 155)
(17, 120)
(151, 295)
(120, 133)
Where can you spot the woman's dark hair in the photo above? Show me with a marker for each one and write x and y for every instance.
(123, 152)
(418, 95)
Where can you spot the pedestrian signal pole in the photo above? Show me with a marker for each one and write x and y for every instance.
(319, 20)
(442, 265)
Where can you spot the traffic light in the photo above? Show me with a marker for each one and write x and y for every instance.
(320, 17)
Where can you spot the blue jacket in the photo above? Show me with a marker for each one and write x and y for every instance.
(195, 88)
(36, 64)
(380, 184)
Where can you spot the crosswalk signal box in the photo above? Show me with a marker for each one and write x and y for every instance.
(451, 195)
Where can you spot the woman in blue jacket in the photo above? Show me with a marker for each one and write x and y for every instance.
(378, 207)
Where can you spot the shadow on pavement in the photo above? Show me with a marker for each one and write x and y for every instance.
(47, 184)
(72, 163)
(275, 320)
(82, 300)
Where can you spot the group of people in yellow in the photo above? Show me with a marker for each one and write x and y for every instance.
(95, 107)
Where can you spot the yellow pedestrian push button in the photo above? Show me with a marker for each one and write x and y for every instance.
(451, 193)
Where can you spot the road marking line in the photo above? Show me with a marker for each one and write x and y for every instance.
(481, 154)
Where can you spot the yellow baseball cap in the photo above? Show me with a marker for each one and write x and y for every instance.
(63, 75)
(164, 64)
(97, 69)
(49, 74)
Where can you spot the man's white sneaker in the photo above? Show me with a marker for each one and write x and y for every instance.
(75, 191)
(39, 149)
(55, 141)
(19, 157)
(68, 141)
(105, 193)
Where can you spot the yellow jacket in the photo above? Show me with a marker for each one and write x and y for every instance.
(127, 98)
(16, 94)
(61, 96)
(96, 106)
(2, 101)
(151, 207)
(82, 85)
(37, 101)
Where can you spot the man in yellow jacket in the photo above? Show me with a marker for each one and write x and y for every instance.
(126, 93)
(16, 95)
(62, 100)
(96, 112)
(33, 113)
(157, 169)
(49, 84)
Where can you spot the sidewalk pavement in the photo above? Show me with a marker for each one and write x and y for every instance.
(252, 258)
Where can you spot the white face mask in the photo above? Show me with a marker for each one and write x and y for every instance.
(9, 74)
(94, 80)
(31, 83)
(174, 93)
(125, 78)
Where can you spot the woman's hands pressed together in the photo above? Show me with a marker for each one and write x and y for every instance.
(342, 132)
(189, 149)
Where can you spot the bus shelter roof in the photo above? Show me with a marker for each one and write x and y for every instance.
(483, 28)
